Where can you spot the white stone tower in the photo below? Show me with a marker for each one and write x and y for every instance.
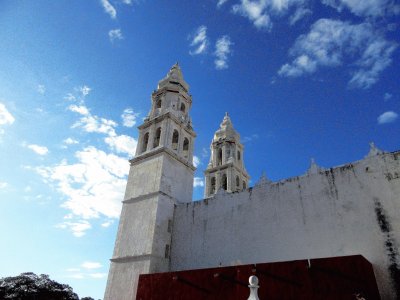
(226, 168)
(160, 176)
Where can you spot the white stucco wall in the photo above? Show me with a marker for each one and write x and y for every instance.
(352, 209)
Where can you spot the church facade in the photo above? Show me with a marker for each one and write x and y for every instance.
(345, 210)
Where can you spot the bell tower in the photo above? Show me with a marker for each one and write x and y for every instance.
(160, 176)
(226, 167)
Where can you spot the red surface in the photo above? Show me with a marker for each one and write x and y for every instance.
(327, 278)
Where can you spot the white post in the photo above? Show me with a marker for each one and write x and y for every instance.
(253, 280)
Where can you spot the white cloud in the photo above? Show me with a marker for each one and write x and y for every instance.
(78, 228)
(98, 275)
(255, 11)
(221, 2)
(250, 138)
(70, 141)
(6, 118)
(387, 117)
(115, 34)
(299, 14)
(222, 51)
(80, 109)
(75, 276)
(92, 123)
(129, 117)
(85, 90)
(91, 265)
(330, 42)
(41, 89)
(73, 270)
(198, 182)
(109, 9)
(365, 8)
(3, 185)
(259, 12)
(122, 144)
(199, 41)
(93, 186)
(107, 223)
(196, 161)
(41, 150)
(387, 96)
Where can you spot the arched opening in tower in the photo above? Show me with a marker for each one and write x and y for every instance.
(224, 182)
(145, 142)
(175, 140)
(185, 148)
(157, 137)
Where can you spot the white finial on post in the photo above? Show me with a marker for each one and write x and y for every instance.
(253, 280)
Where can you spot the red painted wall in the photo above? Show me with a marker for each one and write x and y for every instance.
(326, 278)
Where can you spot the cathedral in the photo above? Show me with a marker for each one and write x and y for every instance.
(346, 213)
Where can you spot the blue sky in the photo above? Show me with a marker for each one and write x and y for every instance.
(299, 78)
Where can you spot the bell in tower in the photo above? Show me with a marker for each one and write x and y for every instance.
(226, 168)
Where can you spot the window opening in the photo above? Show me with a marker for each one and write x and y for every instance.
(157, 138)
(237, 181)
(219, 159)
(224, 182)
(175, 140)
(186, 148)
(145, 142)
(212, 186)
(183, 107)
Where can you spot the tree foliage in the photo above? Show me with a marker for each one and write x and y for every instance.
(29, 286)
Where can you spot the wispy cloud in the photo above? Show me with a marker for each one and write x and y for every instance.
(250, 138)
(41, 150)
(330, 42)
(3, 185)
(260, 12)
(366, 8)
(6, 118)
(196, 161)
(85, 90)
(41, 89)
(92, 183)
(98, 275)
(199, 41)
(198, 182)
(122, 143)
(70, 141)
(91, 265)
(94, 124)
(78, 228)
(109, 9)
(129, 117)
(387, 117)
(299, 14)
(221, 2)
(222, 52)
(387, 96)
(80, 109)
(115, 34)
(93, 186)
(255, 11)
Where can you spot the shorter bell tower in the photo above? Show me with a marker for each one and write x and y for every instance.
(226, 167)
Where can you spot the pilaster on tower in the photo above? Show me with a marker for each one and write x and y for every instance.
(226, 167)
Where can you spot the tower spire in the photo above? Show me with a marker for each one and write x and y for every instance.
(226, 168)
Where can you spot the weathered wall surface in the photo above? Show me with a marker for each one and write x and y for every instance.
(352, 209)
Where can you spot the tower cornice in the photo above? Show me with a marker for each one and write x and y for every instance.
(156, 151)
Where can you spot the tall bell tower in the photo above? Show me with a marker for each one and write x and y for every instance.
(226, 167)
(160, 176)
